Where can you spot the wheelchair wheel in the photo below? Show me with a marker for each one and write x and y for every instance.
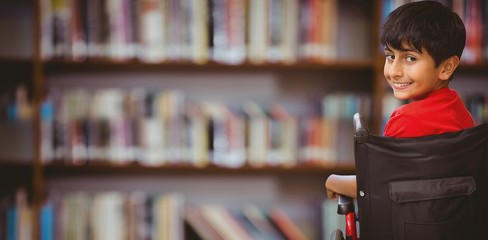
(337, 235)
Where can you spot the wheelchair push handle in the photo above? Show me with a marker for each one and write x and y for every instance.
(361, 130)
(345, 206)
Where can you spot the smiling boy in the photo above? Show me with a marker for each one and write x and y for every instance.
(423, 43)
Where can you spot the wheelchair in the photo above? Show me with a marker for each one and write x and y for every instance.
(433, 187)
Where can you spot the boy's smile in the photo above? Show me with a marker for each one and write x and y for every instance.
(412, 74)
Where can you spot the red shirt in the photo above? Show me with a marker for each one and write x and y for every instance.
(441, 111)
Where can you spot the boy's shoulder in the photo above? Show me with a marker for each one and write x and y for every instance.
(435, 101)
(442, 111)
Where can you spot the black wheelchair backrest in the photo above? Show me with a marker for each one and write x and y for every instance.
(432, 187)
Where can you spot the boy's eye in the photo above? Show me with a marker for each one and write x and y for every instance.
(410, 59)
(390, 57)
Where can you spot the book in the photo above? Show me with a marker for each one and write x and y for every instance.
(135, 215)
(258, 219)
(328, 16)
(46, 40)
(95, 25)
(61, 16)
(218, 135)
(258, 140)
(176, 207)
(257, 30)
(47, 120)
(223, 222)
(290, 33)
(197, 135)
(199, 31)
(76, 215)
(485, 29)
(152, 133)
(47, 221)
(168, 107)
(120, 47)
(107, 217)
(474, 32)
(78, 20)
(235, 135)
(275, 30)
(201, 225)
(285, 224)
(284, 135)
(152, 29)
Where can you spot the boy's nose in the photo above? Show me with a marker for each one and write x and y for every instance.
(395, 69)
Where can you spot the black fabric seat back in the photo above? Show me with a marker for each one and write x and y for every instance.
(432, 187)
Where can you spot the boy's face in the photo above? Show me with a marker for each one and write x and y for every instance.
(411, 74)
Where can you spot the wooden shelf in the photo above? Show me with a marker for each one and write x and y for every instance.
(479, 68)
(14, 175)
(101, 168)
(110, 65)
(15, 166)
(15, 61)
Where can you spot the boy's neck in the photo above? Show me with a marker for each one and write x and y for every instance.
(430, 93)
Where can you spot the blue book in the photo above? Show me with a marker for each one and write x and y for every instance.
(47, 222)
(12, 223)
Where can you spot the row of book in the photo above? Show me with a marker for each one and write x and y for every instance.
(477, 104)
(16, 216)
(15, 105)
(138, 215)
(474, 14)
(164, 127)
(228, 31)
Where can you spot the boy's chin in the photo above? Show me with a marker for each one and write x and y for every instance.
(401, 96)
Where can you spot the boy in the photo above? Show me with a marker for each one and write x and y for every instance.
(423, 43)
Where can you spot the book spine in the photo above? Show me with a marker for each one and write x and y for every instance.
(152, 30)
(257, 30)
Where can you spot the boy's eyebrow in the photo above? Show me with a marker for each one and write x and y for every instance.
(410, 49)
(407, 49)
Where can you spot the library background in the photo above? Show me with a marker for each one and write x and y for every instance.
(193, 119)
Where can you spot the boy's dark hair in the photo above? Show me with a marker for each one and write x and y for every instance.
(425, 24)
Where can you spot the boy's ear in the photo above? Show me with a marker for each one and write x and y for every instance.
(447, 67)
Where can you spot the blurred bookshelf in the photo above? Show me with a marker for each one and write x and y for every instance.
(100, 168)
(263, 72)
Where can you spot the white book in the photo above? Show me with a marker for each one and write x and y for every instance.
(199, 31)
(257, 31)
(75, 215)
(257, 133)
(153, 142)
(108, 216)
(153, 22)
(197, 135)
(290, 31)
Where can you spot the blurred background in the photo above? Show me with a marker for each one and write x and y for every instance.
(193, 119)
